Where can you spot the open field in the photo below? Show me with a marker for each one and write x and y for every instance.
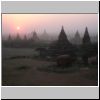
(26, 71)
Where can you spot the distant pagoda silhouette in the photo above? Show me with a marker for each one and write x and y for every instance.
(86, 46)
(45, 36)
(9, 38)
(77, 39)
(63, 42)
(25, 38)
(86, 38)
(62, 45)
(34, 36)
(62, 38)
(17, 37)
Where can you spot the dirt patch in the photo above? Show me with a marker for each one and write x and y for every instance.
(56, 69)
(22, 68)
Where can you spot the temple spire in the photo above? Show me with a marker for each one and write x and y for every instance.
(86, 38)
(63, 37)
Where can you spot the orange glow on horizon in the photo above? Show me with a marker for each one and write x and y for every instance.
(18, 28)
(52, 23)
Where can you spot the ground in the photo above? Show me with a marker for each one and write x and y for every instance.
(21, 68)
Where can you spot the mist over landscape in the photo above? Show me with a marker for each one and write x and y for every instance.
(52, 23)
(49, 49)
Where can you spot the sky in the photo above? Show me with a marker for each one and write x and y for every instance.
(52, 23)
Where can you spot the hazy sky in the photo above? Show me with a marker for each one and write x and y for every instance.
(26, 23)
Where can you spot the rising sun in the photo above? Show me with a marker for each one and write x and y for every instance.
(18, 28)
